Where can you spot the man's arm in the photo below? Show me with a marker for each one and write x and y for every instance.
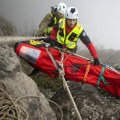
(86, 40)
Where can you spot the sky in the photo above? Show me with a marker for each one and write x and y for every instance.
(99, 18)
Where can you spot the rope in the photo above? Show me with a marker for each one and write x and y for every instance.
(10, 109)
(13, 39)
(62, 74)
(51, 57)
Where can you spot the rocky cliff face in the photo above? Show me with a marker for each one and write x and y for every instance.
(6, 27)
(15, 84)
(92, 103)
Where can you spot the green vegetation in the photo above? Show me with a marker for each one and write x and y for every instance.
(46, 82)
(42, 80)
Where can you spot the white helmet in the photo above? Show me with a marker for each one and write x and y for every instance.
(71, 13)
(61, 7)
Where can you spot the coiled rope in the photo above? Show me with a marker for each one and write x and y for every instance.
(13, 109)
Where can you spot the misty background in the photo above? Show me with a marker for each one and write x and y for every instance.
(100, 18)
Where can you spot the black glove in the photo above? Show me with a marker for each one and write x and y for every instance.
(53, 42)
(46, 40)
(96, 61)
(50, 41)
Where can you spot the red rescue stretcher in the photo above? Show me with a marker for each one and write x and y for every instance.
(76, 68)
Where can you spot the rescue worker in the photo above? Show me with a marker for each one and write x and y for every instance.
(51, 19)
(68, 33)
(45, 26)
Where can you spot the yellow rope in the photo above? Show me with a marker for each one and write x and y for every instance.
(10, 109)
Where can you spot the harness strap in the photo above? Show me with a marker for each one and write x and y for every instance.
(87, 71)
(101, 77)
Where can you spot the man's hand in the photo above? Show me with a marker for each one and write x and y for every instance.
(53, 42)
(46, 39)
(96, 61)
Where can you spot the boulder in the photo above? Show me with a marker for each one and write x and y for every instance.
(93, 103)
(19, 95)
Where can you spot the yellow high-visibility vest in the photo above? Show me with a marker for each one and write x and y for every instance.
(68, 40)
(49, 28)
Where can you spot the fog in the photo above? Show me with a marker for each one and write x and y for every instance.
(100, 18)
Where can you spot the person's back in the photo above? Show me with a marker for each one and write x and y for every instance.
(51, 19)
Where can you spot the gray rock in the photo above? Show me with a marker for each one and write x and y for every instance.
(6, 27)
(92, 103)
(117, 67)
(17, 84)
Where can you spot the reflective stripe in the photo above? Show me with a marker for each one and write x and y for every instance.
(30, 54)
